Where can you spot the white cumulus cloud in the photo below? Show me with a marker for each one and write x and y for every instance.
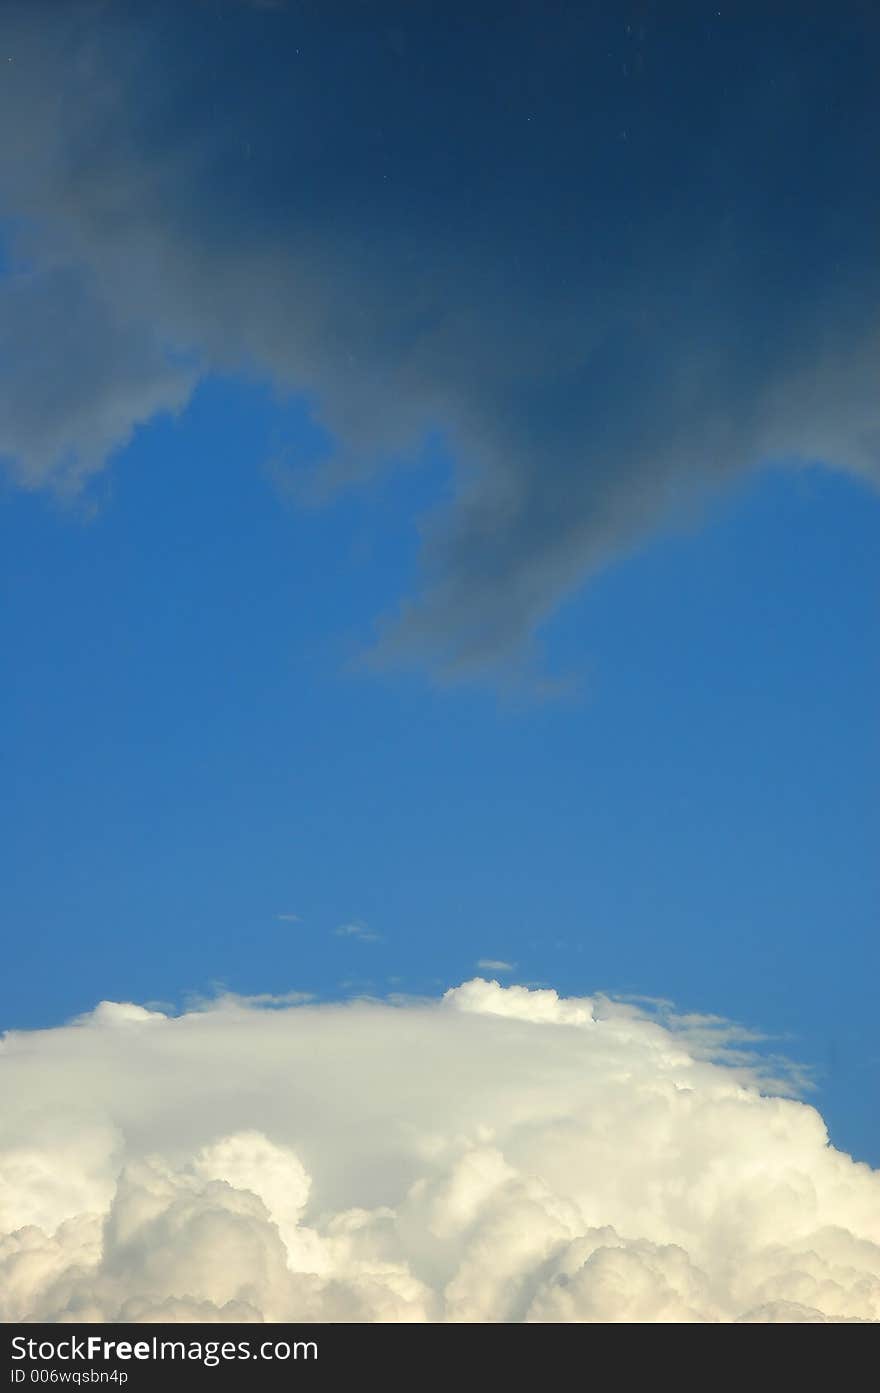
(502, 1154)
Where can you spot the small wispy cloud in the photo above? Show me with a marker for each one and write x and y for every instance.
(359, 930)
(495, 965)
(288, 918)
(221, 998)
(276, 999)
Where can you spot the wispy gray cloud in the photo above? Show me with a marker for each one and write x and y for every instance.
(611, 292)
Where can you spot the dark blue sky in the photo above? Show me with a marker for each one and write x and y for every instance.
(442, 448)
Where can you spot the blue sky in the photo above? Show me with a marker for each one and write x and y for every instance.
(192, 752)
(577, 422)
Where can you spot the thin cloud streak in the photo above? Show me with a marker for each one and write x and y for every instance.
(359, 931)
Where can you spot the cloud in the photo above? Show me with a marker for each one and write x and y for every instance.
(495, 965)
(610, 293)
(272, 999)
(498, 1155)
(288, 918)
(355, 929)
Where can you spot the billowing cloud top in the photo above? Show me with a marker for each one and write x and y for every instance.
(613, 256)
(502, 1155)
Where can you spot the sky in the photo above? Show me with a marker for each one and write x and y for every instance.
(439, 518)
